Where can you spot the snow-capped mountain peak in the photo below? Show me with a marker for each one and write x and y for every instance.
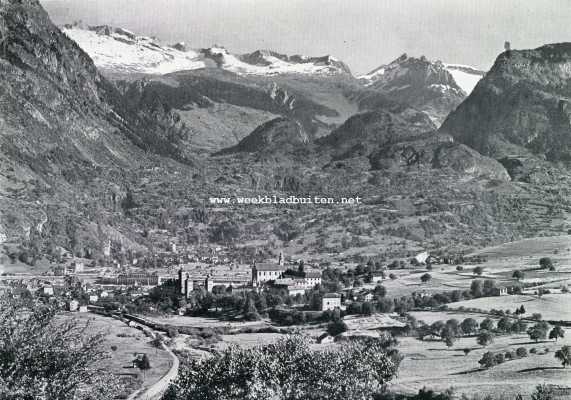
(268, 62)
(120, 50)
(465, 77)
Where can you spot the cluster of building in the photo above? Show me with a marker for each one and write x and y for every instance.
(263, 275)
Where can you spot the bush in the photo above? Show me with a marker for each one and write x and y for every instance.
(499, 358)
(543, 392)
(488, 360)
(521, 352)
(536, 316)
(49, 356)
(361, 368)
(533, 350)
(485, 338)
(545, 262)
(336, 327)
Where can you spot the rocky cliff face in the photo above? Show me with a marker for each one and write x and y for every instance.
(64, 129)
(521, 107)
(53, 100)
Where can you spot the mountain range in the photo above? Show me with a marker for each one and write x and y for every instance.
(118, 50)
(111, 136)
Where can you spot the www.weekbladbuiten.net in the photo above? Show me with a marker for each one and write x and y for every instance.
(288, 200)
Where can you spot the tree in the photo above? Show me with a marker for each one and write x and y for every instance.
(436, 327)
(505, 324)
(519, 326)
(448, 336)
(536, 316)
(425, 278)
(556, 333)
(485, 338)
(538, 331)
(144, 363)
(487, 324)
(521, 352)
(499, 358)
(564, 355)
(545, 262)
(519, 275)
(43, 355)
(543, 392)
(489, 286)
(289, 369)
(157, 342)
(469, 325)
(488, 360)
(478, 271)
(476, 288)
(336, 327)
(454, 325)
(368, 308)
(250, 311)
(380, 291)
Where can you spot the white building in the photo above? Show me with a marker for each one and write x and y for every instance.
(265, 272)
(331, 301)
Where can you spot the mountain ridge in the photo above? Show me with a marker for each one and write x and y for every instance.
(522, 106)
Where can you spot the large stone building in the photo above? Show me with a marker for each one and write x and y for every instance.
(265, 272)
(331, 301)
(135, 279)
(294, 282)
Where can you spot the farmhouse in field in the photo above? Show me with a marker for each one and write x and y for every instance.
(500, 291)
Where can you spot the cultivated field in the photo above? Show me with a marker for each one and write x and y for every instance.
(203, 322)
(129, 341)
(433, 365)
(554, 307)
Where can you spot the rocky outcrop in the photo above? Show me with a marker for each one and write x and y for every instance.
(280, 135)
(521, 107)
(365, 133)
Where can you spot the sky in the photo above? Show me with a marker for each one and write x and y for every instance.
(362, 33)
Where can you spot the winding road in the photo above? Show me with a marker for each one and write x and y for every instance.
(155, 391)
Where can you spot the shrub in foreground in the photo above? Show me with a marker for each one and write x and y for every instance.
(289, 369)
